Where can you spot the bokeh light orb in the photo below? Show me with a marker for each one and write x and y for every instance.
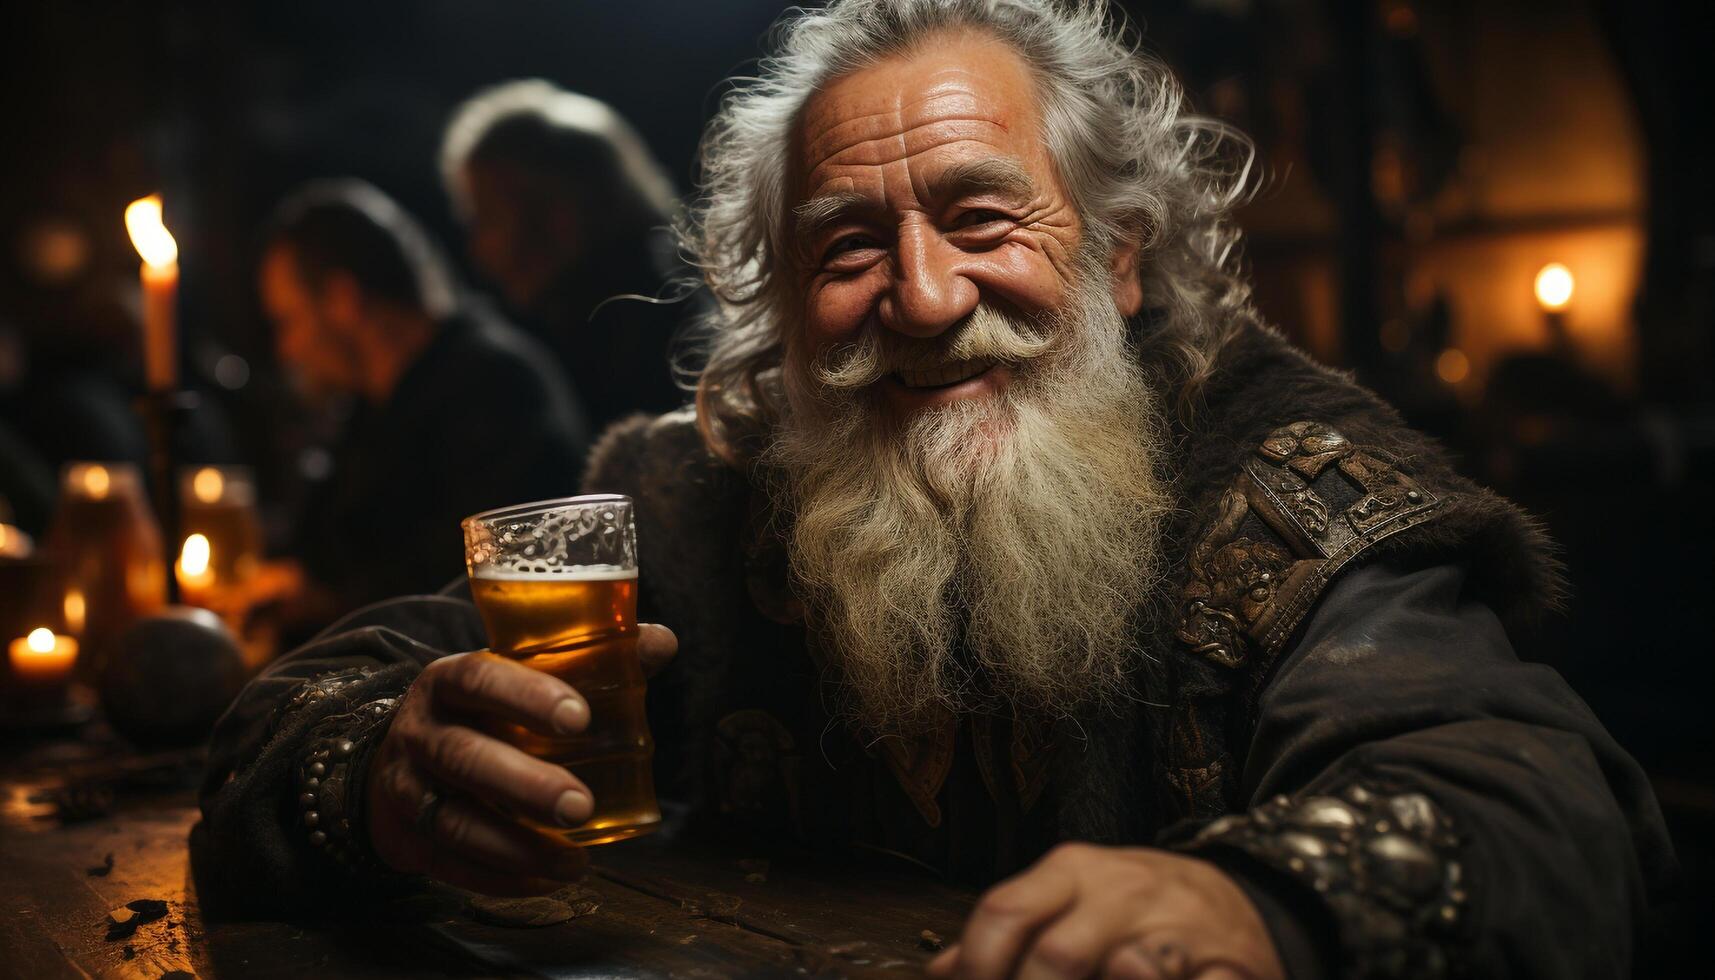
(1452, 366)
(1554, 287)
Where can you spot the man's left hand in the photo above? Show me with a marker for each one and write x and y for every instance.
(1114, 912)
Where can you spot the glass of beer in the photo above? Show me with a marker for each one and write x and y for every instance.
(556, 584)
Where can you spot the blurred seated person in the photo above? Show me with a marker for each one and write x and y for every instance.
(567, 210)
(456, 410)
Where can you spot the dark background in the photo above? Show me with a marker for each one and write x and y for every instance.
(1421, 162)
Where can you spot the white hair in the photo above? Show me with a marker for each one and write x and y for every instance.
(1139, 168)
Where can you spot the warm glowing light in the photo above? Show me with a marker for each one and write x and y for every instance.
(208, 484)
(42, 658)
(1452, 366)
(1554, 287)
(75, 610)
(149, 235)
(96, 481)
(14, 543)
(193, 560)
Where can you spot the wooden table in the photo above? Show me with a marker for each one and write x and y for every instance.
(648, 910)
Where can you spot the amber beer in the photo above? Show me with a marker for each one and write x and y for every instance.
(577, 622)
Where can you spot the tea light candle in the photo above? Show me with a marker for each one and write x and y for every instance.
(196, 568)
(43, 658)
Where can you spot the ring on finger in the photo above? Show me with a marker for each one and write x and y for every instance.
(1173, 961)
(428, 809)
(1166, 960)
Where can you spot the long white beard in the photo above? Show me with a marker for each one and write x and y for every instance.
(1023, 527)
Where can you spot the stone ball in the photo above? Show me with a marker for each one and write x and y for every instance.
(170, 676)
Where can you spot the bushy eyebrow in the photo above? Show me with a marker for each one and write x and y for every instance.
(1003, 176)
(823, 210)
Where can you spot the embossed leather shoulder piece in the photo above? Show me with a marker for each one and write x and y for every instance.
(1302, 507)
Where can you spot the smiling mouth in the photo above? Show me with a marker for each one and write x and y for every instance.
(944, 376)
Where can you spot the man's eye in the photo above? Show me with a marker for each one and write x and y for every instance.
(850, 243)
(979, 217)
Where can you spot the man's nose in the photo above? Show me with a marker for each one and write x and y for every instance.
(931, 292)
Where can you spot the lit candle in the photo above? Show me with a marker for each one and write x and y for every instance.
(160, 274)
(222, 536)
(15, 543)
(1554, 287)
(1554, 294)
(196, 568)
(43, 658)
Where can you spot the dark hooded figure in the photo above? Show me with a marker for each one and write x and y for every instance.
(567, 214)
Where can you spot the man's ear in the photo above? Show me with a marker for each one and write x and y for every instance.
(341, 300)
(1128, 288)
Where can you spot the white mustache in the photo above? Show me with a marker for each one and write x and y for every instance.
(987, 335)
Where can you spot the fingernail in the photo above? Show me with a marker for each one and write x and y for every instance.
(573, 808)
(571, 715)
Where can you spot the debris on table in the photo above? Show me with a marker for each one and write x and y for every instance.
(124, 920)
(77, 802)
(715, 905)
(103, 869)
(931, 941)
(531, 913)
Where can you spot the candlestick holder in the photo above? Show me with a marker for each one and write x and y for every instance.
(164, 414)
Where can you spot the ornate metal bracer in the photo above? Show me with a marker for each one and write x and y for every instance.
(1385, 861)
(328, 790)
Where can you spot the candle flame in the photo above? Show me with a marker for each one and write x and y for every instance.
(149, 236)
(193, 560)
(41, 640)
(96, 481)
(1554, 287)
(208, 484)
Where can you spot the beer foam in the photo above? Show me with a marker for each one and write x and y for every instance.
(579, 573)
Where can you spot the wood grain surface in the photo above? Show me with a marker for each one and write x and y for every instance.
(649, 909)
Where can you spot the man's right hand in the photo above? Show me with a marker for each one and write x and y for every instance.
(472, 837)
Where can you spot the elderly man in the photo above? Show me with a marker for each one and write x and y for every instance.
(1028, 552)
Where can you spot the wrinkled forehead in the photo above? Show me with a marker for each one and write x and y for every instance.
(952, 94)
